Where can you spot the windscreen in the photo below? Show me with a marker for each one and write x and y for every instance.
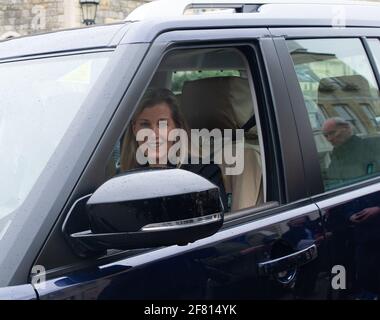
(38, 100)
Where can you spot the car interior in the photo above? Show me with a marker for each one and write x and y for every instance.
(193, 74)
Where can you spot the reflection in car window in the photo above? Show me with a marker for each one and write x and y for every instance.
(39, 99)
(375, 47)
(335, 74)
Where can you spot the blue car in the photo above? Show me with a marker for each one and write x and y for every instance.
(213, 150)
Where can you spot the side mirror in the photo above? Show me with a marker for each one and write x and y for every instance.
(149, 208)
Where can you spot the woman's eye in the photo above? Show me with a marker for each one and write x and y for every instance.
(144, 124)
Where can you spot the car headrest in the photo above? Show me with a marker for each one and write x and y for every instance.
(220, 102)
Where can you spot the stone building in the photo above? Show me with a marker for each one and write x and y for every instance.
(22, 17)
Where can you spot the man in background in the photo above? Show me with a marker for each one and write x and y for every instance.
(352, 156)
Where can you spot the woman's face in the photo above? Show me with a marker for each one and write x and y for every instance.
(159, 120)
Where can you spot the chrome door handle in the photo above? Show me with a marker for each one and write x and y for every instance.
(288, 262)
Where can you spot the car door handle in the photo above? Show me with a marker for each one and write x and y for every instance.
(288, 262)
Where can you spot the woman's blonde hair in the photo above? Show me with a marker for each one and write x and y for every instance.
(151, 98)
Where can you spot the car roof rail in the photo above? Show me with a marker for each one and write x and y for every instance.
(177, 8)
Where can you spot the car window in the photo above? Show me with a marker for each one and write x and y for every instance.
(39, 100)
(375, 48)
(212, 100)
(342, 99)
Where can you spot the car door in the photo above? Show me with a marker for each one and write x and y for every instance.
(275, 250)
(339, 84)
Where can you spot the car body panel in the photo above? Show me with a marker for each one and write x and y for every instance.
(223, 266)
(22, 292)
(354, 247)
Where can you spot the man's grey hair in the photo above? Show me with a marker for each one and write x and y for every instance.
(341, 122)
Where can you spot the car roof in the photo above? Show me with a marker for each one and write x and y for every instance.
(151, 23)
(270, 16)
(171, 9)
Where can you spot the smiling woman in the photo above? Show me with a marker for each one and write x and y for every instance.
(148, 141)
(158, 108)
(39, 100)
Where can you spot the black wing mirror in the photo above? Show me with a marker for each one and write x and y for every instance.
(150, 208)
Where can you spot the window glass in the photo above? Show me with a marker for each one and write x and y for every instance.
(209, 96)
(337, 80)
(39, 100)
(375, 47)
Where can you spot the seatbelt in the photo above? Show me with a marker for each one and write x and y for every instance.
(249, 124)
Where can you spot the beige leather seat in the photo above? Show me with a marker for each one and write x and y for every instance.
(226, 103)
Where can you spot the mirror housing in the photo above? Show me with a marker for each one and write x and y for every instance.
(148, 208)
